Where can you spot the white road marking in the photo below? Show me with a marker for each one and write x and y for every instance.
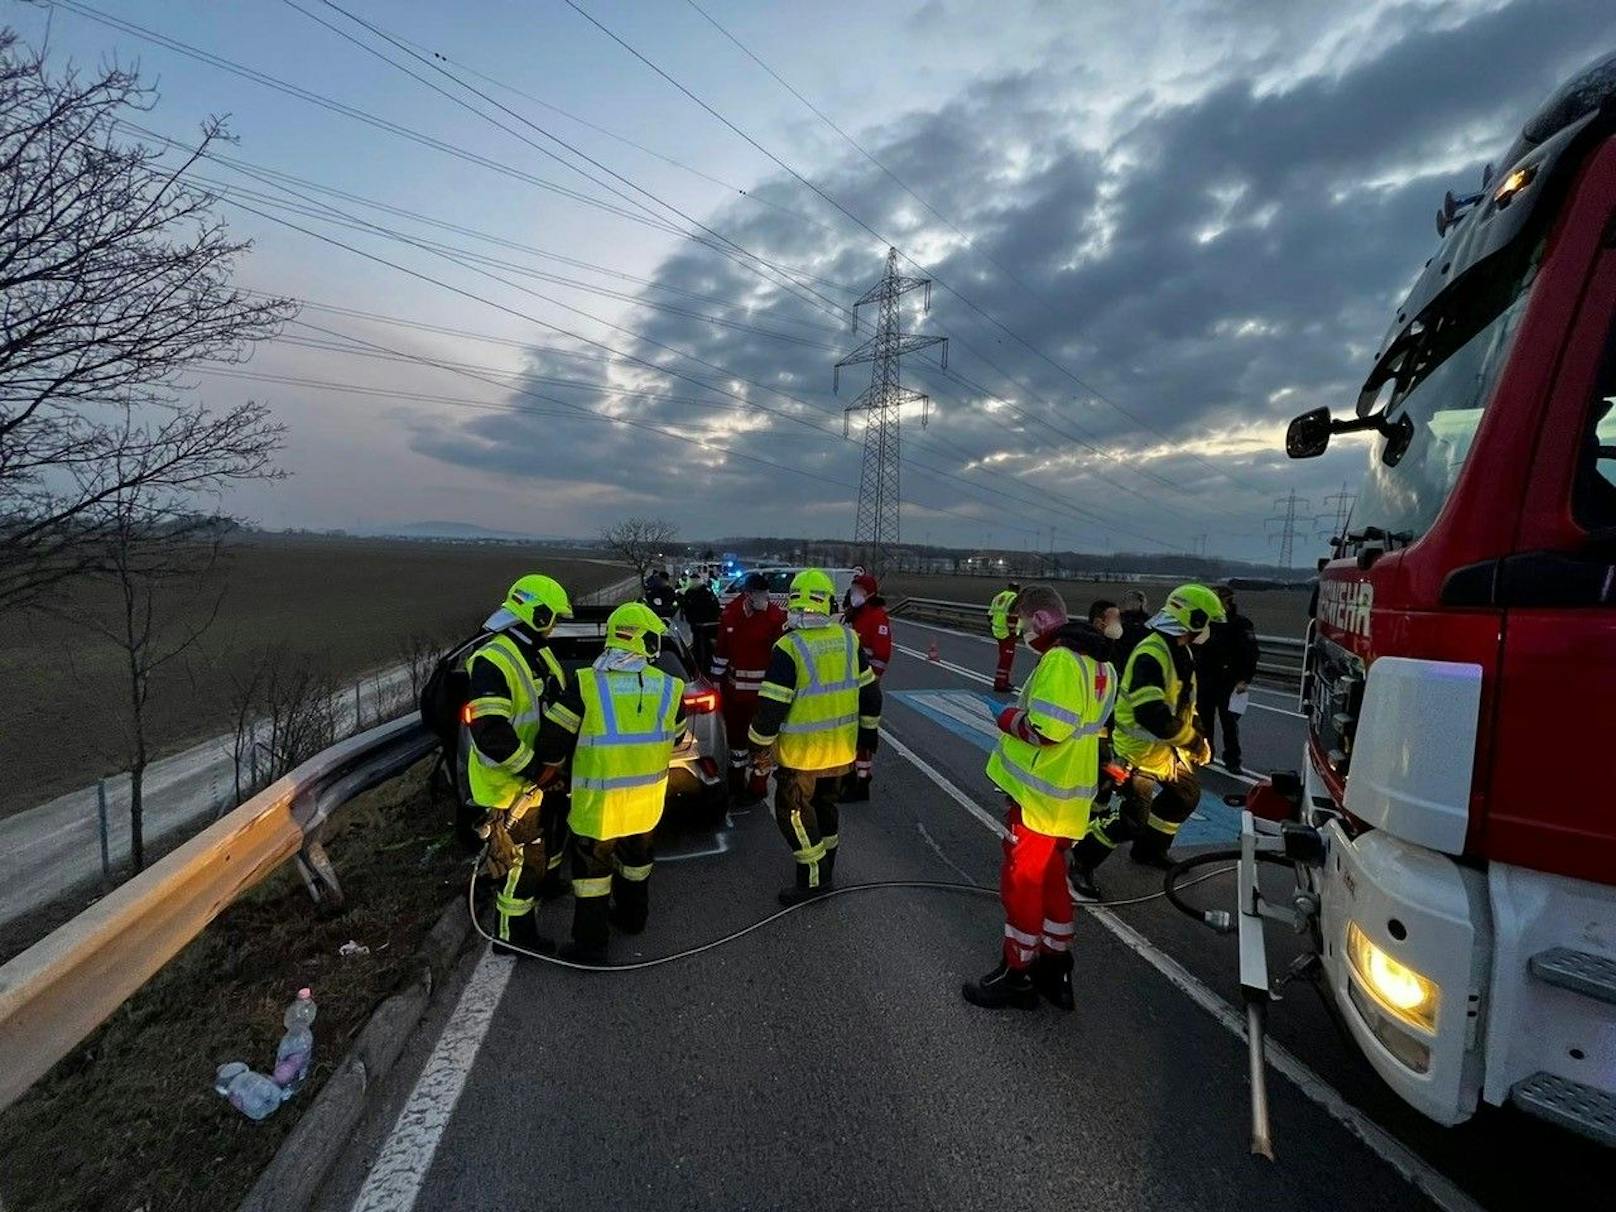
(1278, 710)
(1437, 1187)
(720, 846)
(970, 673)
(964, 635)
(1229, 774)
(948, 665)
(395, 1178)
(948, 788)
(971, 715)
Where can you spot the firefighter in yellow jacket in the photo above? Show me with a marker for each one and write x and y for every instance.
(819, 707)
(618, 723)
(511, 676)
(1047, 764)
(1157, 737)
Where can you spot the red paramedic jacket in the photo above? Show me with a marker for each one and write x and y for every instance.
(745, 643)
(874, 630)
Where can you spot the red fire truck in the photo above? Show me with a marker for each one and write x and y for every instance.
(1454, 826)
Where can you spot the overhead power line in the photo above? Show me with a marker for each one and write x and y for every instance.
(860, 222)
(628, 421)
(359, 114)
(655, 368)
(521, 118)
(1043, 499)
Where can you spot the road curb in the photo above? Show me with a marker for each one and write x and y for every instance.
(300, 1165)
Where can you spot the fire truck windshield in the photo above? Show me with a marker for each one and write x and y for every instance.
(1442, 385)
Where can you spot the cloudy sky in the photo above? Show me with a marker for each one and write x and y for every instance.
(1156, 231)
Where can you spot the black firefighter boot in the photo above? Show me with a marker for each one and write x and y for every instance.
(591, 926)
(801, 891)
(1003, 987)
(1052, 976)
(631, 904)
(525, 936)
(1087, 856)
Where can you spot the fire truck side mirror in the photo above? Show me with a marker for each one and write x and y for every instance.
(1308, 436)
(1399, 437)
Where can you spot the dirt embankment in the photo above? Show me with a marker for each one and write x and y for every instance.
(129, 1119)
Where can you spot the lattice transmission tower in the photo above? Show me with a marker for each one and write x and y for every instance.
(1287, 524)
(876, 525)
(1339, 506)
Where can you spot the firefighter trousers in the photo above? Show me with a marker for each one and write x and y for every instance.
(806, 809)
(532, 867)
(1007, 662)
(1149, 810)
(610, 886)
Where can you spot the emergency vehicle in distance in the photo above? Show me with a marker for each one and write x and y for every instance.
(1460, 683)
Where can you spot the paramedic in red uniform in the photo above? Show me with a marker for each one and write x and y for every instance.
(866, 614)
(747, 632)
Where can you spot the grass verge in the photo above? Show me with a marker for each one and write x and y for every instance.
(129, 1121)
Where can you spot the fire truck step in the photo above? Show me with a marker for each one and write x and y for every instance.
(1580, 971)
(1572, 1105)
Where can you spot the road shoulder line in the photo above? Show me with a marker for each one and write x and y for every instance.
(1438, 1187)
(396, 1176)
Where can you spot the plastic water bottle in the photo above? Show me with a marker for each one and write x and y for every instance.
(253, 1094)
(296, 1049)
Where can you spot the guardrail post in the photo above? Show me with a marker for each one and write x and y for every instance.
(101, 814)
(319, 877)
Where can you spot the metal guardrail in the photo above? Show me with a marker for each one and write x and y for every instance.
(64, 986)
(973, 616)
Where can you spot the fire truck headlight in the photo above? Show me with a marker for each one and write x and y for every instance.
(1401, 991)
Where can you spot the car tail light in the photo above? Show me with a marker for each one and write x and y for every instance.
(700, 702)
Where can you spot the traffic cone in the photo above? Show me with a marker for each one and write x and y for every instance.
(931, 653)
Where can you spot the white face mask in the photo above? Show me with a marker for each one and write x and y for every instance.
(856, 597)
(1113, 630)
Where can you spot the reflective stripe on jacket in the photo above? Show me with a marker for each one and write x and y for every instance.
(1067, 701)
(999, 615)
(1135, 744)
(821, 726)
(625, 738)
(496, 784)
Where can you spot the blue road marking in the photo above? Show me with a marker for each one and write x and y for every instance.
(970, 715)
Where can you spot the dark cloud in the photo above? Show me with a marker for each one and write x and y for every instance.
(1214, 264)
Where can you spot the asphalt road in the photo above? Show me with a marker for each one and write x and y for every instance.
(828, 1061)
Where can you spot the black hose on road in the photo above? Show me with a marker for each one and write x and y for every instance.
(871, 886)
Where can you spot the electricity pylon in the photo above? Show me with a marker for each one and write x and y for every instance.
(876, 524)
(1288, 525)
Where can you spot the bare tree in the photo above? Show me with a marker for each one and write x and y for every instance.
(246, 698)
(640, 541)
(300, 713)
(114, 280)
(156, 561)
